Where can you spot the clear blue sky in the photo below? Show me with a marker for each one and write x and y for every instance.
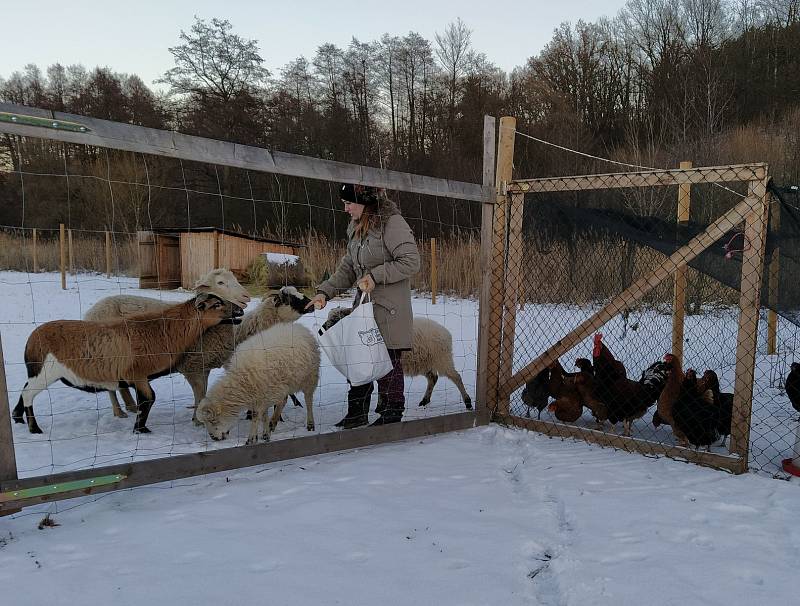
(133, 36)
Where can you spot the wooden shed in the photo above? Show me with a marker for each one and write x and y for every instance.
(172, 258)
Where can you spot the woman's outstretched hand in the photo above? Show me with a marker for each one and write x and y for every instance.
(319, 301)
(366, 284)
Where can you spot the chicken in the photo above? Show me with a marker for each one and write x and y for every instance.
(668, 395)
(573, 391)
(792, 386)
(723, 402)
(536, 393)
(694, 413)
(624, 399)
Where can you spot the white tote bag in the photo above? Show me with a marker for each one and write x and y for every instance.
(355, 346)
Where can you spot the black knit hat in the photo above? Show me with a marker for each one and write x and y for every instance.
(360, 194)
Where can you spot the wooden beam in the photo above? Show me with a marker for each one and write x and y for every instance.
(706, 174)
(774, 281)
(730, 463)
(190, 465)
(127, 137)
(511, 296)
(8, 460)
(755, 232)
(35, 252)
(71, 252)
(484, 304)
(505, 163)
(434, 276)
(634, 293)
(679, 293)
(63, 249)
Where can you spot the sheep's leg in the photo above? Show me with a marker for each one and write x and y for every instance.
(276, 415)
(146, 397)
(255, 421)
(33, 387)
(308, 396)
(626, 424)
(199, 384)
(432, 378)
(130, 402)
(118, 412)
(453, 375)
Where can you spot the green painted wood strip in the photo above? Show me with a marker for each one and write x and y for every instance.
(43, 122)
(24, 493)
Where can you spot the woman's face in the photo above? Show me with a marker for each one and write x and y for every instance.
(354, 209)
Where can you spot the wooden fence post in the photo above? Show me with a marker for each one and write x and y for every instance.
(774, 281)
(35, 256)
(62, 241)
(484, 305)
(434, 276)
(749, 306)
(8, 461)
(71, 253)
(108, 254)
(505, 162)
(679, 295)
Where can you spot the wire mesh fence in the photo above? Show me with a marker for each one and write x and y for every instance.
(621, 343)
(105, 200)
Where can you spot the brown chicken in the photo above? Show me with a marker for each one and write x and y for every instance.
(625, 400)
(573, 391)
(669, 395)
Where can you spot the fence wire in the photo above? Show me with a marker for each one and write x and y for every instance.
(628, 344)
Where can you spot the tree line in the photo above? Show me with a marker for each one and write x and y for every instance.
(662, 81)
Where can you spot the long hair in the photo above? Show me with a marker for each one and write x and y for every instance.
(364, 222)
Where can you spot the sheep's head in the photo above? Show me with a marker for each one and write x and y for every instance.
(223, 283)
(209, 416)
(293, 299)
(217, 311)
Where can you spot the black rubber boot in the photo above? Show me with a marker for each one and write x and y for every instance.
(358, 401)
(392, 413)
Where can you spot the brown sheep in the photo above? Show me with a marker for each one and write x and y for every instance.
(105, 356)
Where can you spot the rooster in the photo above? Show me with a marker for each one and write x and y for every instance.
(723, 402)
(694, 413)
(625, 400)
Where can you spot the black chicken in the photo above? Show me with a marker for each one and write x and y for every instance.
(695, 414)
(793, 386)
(723, 401)
(537, 393)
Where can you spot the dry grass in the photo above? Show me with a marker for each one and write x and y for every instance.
(585, 272)
(88, 252)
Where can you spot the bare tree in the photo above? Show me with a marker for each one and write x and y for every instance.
(452, 50)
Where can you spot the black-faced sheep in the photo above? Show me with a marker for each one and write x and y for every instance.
(264, 371)
(431, 355)
(220, 282)
(100, 356)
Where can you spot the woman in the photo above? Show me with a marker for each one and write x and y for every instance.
(381, 257)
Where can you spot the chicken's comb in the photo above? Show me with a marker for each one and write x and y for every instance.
(598, 341)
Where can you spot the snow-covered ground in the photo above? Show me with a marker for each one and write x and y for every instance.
(481, 517)
(80, 430)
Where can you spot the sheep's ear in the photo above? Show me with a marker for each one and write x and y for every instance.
(205, 413)
(206, 300)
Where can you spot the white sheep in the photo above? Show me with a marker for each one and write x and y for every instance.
(264, 371)
(220, 282)
(431, 355)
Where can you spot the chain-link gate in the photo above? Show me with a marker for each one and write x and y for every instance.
(648, 377)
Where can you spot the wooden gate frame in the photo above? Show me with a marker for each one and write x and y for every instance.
(753, 210)
(57, 126)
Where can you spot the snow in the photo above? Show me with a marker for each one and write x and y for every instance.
(485, 516)
(281, 258)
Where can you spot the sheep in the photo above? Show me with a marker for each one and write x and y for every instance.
(216, 345)
(264, 370)
(220, 282)
(431, 355)
(100, 356)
